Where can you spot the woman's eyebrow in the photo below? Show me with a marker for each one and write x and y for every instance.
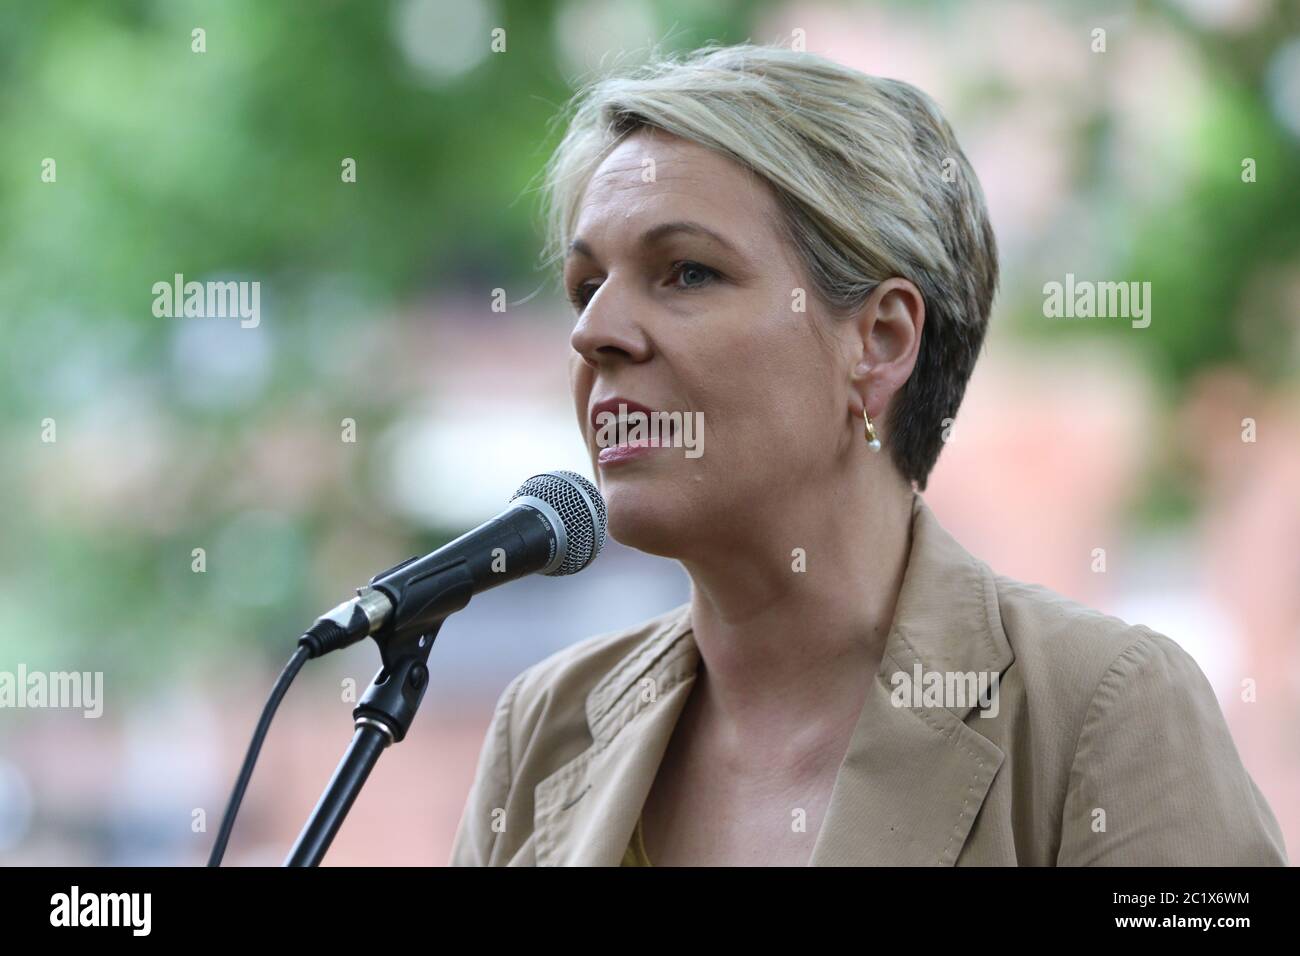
(580, 247)
(660, 232)
(664, 230)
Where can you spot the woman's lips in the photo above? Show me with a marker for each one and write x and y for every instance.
(626, 452)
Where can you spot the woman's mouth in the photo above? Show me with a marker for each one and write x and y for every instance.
(628, 451)
(627, 430)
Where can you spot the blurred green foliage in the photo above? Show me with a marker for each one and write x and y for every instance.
(228, 164)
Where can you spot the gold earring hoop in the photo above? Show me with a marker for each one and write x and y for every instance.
(873, 441)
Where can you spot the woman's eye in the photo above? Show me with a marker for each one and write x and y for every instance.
(692, 275)
(685, 275)
(581, 294)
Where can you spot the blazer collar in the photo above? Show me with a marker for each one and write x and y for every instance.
(913, 778)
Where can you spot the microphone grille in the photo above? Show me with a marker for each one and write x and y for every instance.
(582, 512)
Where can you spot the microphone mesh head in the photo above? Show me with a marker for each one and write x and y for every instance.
(581, 510)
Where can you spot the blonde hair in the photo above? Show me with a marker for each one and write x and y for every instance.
(867, 173)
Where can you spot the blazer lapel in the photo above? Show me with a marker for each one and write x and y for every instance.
(586, 811)
(913, 779)
(908, 791)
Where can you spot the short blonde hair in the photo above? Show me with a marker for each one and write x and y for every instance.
(869, 177)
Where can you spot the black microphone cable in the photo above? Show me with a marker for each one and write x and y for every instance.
(287, 675)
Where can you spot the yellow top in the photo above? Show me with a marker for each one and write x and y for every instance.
(635, 854)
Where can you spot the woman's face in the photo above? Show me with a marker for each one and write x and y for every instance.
(689, 300)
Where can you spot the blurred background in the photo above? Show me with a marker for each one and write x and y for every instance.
(181, 496)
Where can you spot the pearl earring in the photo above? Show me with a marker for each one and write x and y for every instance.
(873, 442)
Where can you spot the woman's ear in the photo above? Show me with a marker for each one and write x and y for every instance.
(888, 329)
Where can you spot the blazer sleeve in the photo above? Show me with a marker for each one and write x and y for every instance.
(1156, 779)
(483, 819)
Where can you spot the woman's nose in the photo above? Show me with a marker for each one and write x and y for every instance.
(609, 329)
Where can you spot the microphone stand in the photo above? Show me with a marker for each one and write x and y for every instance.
(386, 710)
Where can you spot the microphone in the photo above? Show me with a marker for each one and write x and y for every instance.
(554, 524)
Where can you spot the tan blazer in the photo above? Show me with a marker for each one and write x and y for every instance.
(1107, 748)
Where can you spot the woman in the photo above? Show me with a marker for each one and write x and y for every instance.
(799, 254)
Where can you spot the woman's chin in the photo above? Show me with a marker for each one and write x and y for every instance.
(649, 522)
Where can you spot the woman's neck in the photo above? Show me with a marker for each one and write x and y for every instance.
(789, 616)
